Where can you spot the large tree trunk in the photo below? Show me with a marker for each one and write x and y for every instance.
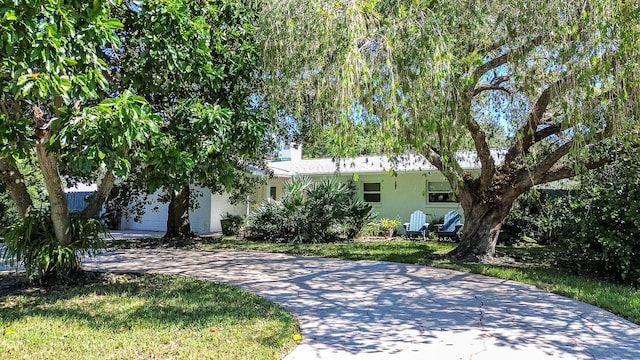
(98, 199)
(482, 226)
(178, 225)
(14, 180)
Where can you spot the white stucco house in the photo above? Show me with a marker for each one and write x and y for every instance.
(395, 189)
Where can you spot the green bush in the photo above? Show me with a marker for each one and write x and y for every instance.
(8, 210)
(231, 224)
(536, 216)
(310, 212)
(601, 221)
(601, 233)
(32, 243)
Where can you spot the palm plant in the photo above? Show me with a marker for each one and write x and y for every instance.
(310, 212)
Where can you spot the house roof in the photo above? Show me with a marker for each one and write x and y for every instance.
(372, 164)
(81, 188)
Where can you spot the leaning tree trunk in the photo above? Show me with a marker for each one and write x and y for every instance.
(14, 180)
(98, 199)
(178, 224)
(482, 226)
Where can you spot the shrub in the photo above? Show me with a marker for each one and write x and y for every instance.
(310, 212)
(371, 228)
(601, 234)
(433, 224)
(231, 224)
(536, 217)
(32, 243)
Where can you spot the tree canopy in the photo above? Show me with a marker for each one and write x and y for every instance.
(554, 78)
(198, 64)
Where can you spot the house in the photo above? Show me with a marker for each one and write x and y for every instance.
(394, 188)
(204, 219)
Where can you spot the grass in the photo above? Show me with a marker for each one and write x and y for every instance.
(530, 265)
(140, 316)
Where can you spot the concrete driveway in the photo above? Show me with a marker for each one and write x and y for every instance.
(381, 310)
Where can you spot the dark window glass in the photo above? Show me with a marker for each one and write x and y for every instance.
(372, 197)
(371, 187)
(272, 192)
(441, 197)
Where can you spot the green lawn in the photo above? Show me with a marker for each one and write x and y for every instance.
(140, 317)
(530, 265)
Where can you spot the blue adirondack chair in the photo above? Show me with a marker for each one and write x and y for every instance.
(417, 225)
(450, 227)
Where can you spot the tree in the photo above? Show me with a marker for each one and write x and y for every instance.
(558, 78)
(50, 103)
(197, 62)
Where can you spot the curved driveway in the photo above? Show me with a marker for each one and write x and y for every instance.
(382, 310)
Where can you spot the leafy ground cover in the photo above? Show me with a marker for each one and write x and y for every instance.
(530, 265)
(139, 316)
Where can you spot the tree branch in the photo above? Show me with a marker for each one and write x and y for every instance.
(487, 164)
(542, 171)
(11, 176)
(453, 176)
(525, 135)
(93, 208)
(567, 171)
(499, 61)
(546, 132)
(480, 89)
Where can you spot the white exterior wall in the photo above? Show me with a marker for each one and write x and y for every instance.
(205, 219)
(151, 220)
(219, 205)
(199, 218)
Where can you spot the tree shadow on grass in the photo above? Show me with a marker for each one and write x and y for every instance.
(370, 308)
(120, 302)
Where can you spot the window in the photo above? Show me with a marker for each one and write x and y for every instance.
(371, 192)
(272, 192)
(439, 191)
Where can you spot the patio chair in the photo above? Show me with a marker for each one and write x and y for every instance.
(450, 227)
(417, 225)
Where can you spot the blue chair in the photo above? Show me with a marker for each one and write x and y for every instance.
(450, 227)
(417, 225)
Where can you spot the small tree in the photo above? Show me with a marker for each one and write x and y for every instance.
(310, 212)
(51, 108)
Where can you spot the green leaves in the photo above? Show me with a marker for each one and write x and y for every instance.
(113, 23)
(60, 42)
(31, 242)
(197, 63)
(106, 135)
(10, 15)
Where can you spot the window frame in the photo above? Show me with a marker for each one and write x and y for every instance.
(377, 192)
(447, 196)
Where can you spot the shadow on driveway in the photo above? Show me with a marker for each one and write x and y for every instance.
(371, 310)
